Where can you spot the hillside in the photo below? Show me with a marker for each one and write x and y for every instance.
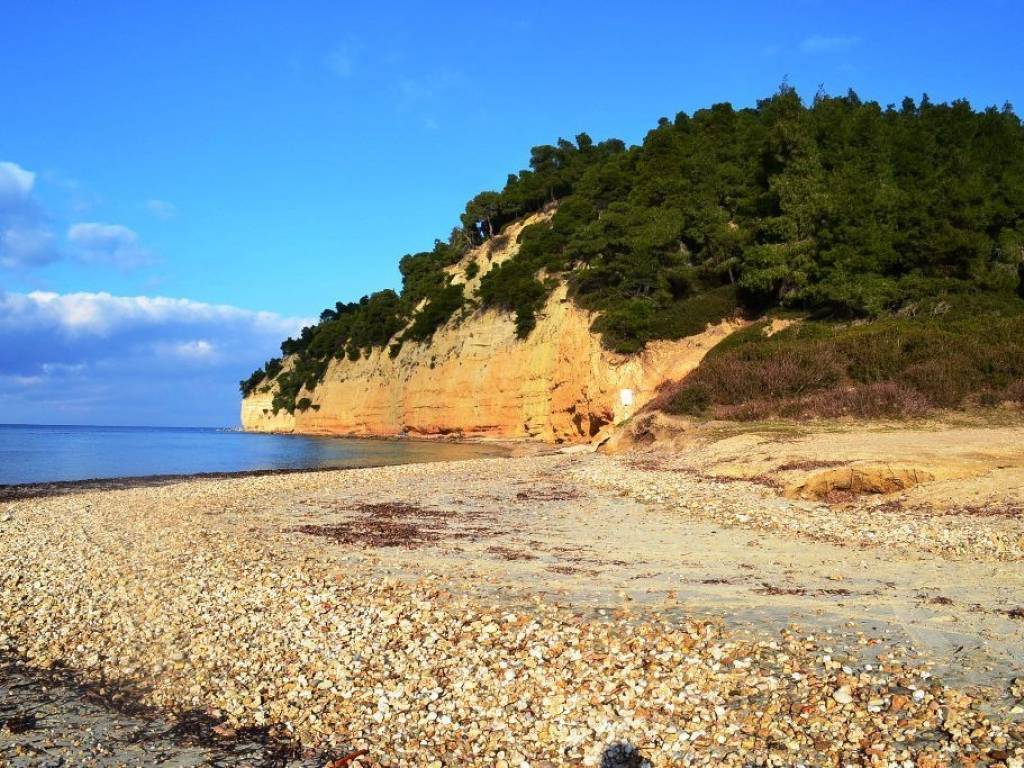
(477, 378)
(894, 235)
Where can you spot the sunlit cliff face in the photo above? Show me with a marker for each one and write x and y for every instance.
(477, 379)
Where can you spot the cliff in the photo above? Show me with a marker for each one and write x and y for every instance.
(477, 379)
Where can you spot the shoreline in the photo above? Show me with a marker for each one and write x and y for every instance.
(540, 609)
(25, 491)
(502, 449)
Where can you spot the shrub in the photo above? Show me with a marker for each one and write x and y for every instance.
(248, 386)
(865, 401)
(268, 373)
(690, 316)
(1015, 392)
(513, 286)
(895, 366)
(692, 400)
(437, 311)
(945, 380)
(763, 372)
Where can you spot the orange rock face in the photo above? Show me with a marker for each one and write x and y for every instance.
(476, 379)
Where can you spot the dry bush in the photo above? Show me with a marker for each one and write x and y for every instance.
(893, 367)
(887, 399)
(1015, 392)
(944, 380)
(736, 379)
(868, 401)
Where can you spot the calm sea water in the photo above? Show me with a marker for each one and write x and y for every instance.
(37, 454)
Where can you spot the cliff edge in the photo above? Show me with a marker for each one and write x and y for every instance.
(477, 379)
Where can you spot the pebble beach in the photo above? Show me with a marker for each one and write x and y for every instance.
(454, 614)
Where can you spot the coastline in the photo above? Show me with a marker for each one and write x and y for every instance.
(633, 599)
(37, 490)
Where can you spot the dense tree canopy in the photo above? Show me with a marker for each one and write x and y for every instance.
(841, 208)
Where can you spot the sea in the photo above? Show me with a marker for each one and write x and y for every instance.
(50, 453)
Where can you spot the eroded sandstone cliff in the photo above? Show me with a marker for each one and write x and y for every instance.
(476, 379)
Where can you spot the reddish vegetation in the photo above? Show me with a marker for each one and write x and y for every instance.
(895, 367)
(508, 553)
(385, 525)
(887, 399)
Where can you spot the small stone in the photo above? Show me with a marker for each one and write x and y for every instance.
(843, 695)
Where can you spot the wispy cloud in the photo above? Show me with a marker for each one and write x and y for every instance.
(416, 90)
(428, 88)
(111, 244)
(15, 181)
(26, 239)
(341, 61)
(162, 209)
(81, 199)
(428, 93)
(828, 43)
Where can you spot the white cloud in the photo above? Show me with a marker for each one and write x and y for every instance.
(162, 209)
(103, 314)
(196, 350)
(27, 239)
(112, 244)
(26, 246)
(51, 369)
(25, 236)
(100, 358)
(15, 181)
(828, 43)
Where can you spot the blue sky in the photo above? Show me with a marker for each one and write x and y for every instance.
(274, 158)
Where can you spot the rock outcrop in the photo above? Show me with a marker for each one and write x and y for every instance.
(477, 379)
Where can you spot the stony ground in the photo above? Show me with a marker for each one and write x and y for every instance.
(50, 718)
(544, 611)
